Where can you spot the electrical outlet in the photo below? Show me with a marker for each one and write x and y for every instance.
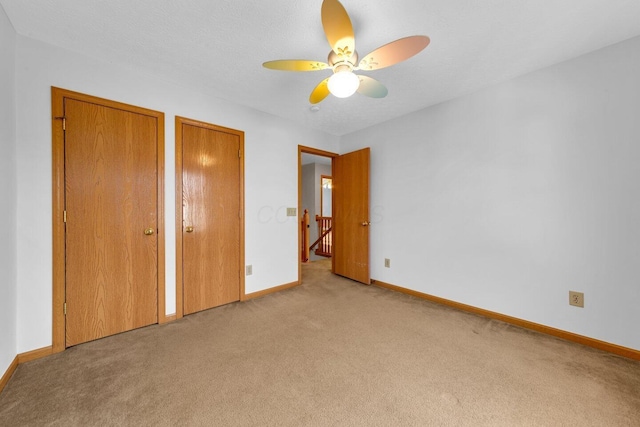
(249, 270)
(576, 299)
(387, 262)
(291, 211)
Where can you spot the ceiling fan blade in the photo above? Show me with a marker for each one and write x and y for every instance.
(371, 87)
(295, 65)
(338, 29)
(394, 52)
(320, 92)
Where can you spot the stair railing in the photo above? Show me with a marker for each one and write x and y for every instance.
(304, 224)
(323, 245)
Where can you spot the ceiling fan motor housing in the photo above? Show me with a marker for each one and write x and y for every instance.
(336, 60)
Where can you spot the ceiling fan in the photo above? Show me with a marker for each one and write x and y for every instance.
(343, 58)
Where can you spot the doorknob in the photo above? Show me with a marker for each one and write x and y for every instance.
(148, 231)
(366, 223)
(189, 229)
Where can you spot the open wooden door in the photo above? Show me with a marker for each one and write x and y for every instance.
(351, 215)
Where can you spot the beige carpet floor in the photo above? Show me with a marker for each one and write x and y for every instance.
(330, 352)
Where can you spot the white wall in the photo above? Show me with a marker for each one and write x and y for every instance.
(504, 199)
(8, 191)
(508, 198)
(271, 237)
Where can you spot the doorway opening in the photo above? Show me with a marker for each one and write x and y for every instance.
(350, 223)
(315, 207)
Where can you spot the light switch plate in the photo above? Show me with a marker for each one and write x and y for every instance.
(292, 211)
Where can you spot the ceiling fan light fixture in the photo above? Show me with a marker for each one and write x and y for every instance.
(343, 84)
(344, 59)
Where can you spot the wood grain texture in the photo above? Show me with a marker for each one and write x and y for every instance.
(160, 230)
(59, 98)
(559, 333)
(178, 214)
(350, 193)
(111, 198)
(212, 187)
(58, 226)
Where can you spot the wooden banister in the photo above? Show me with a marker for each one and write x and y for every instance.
(319, 239)
(324, 242)
(304, 250)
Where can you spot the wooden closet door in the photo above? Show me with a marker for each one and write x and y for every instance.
(212, 216)
(111, 208)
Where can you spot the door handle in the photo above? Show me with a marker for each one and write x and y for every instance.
(366, 223)
(149, 231)
(189, 229)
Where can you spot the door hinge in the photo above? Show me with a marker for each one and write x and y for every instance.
(64, 216)
(64, 308)
(64, 122)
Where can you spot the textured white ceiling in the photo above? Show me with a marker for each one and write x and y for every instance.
(218, 46)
